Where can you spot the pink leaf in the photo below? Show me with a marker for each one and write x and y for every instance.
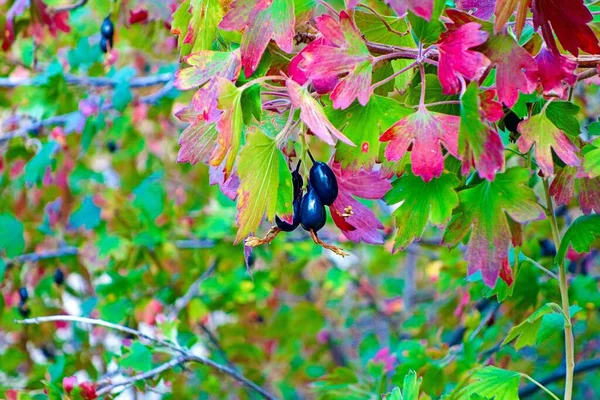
(421, 8)
(427, 132)
(554, 73)
(491, 110)
(262, 20)
(589, 195)
(312, 114)
(506, 273)
(457, 60)
(563, 185)
(342, 51)
(513, 63)
(300, 76)
(198, 141)
(228, 186)
(362, 225)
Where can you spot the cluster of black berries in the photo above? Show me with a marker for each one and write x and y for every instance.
(309, 209)
(107, 31)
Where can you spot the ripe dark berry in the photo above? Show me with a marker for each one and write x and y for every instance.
(103, 45)
(107, 29)
(297, 182)
(286, 227)
(24, 310)
(23, 294)
(511, 121)
(312, 211)
(111, 146)
(59, 276)
(324, 182)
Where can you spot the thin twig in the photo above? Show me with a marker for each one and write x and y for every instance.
(101, 81)
(193, 291)
(69, 7)
(43, 255)
(99, 322)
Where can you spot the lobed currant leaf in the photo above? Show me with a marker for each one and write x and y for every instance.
(456, 59)
(478, 144)
(568, 19)
(362, 224)
(582, 234)
(195, 22)
(484, 211)
(265, 183)
(313, 115)
(427, 132)
(539, 130)
(261, 21)
(554, 73)
(229, 124)
(421, 202)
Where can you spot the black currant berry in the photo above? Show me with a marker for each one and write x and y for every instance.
(511, 121)
(59, 276)
(111, 146)
(323, 181)
(23, 294)
(312, 211)
(286, 227)
(103, 45)
(24, 310)
(297, 182)
(107, 29)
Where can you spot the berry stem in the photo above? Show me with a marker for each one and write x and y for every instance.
(311, 156)
(337, 250)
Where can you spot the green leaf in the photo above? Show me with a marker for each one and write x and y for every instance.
(122, 95)
(2, 270)
(431, 201)
(87, 215)
(527, 331)
(581, 235)
(230, 124)
(36, 167)
(433, 94)
(410, 388)
(553, 323)
(196, 21)
(265, 183)
(591, 158)
(11, 235)
(593, 129)
(493, 382)
(428, 31)
(150, 196)
(363, 126)
(374, 31)
(563, 115)
(483, 212)
(139, 358)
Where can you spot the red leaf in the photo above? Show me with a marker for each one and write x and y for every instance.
(322, 86)
(506, 273)
(342, 52)
(512, 63)
(491, 110)
(563, 185)
(88, 390)
(198, 141)
(568, 19)
(554, 72)
(262, 20)
(457, 60)
(362, 225)
(589, 195)
(426, 131)
(422, 8)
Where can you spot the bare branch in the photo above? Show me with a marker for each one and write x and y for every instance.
(186, 354)
(101, 81)
(42, 255)
(99, 322)
(69, 7)
(192, 291)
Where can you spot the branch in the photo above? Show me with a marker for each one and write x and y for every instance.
(69, 7)
(99, 322)
(101, 81)
(186, 354)
(558, 375)
(42, 255)
(192, 291)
